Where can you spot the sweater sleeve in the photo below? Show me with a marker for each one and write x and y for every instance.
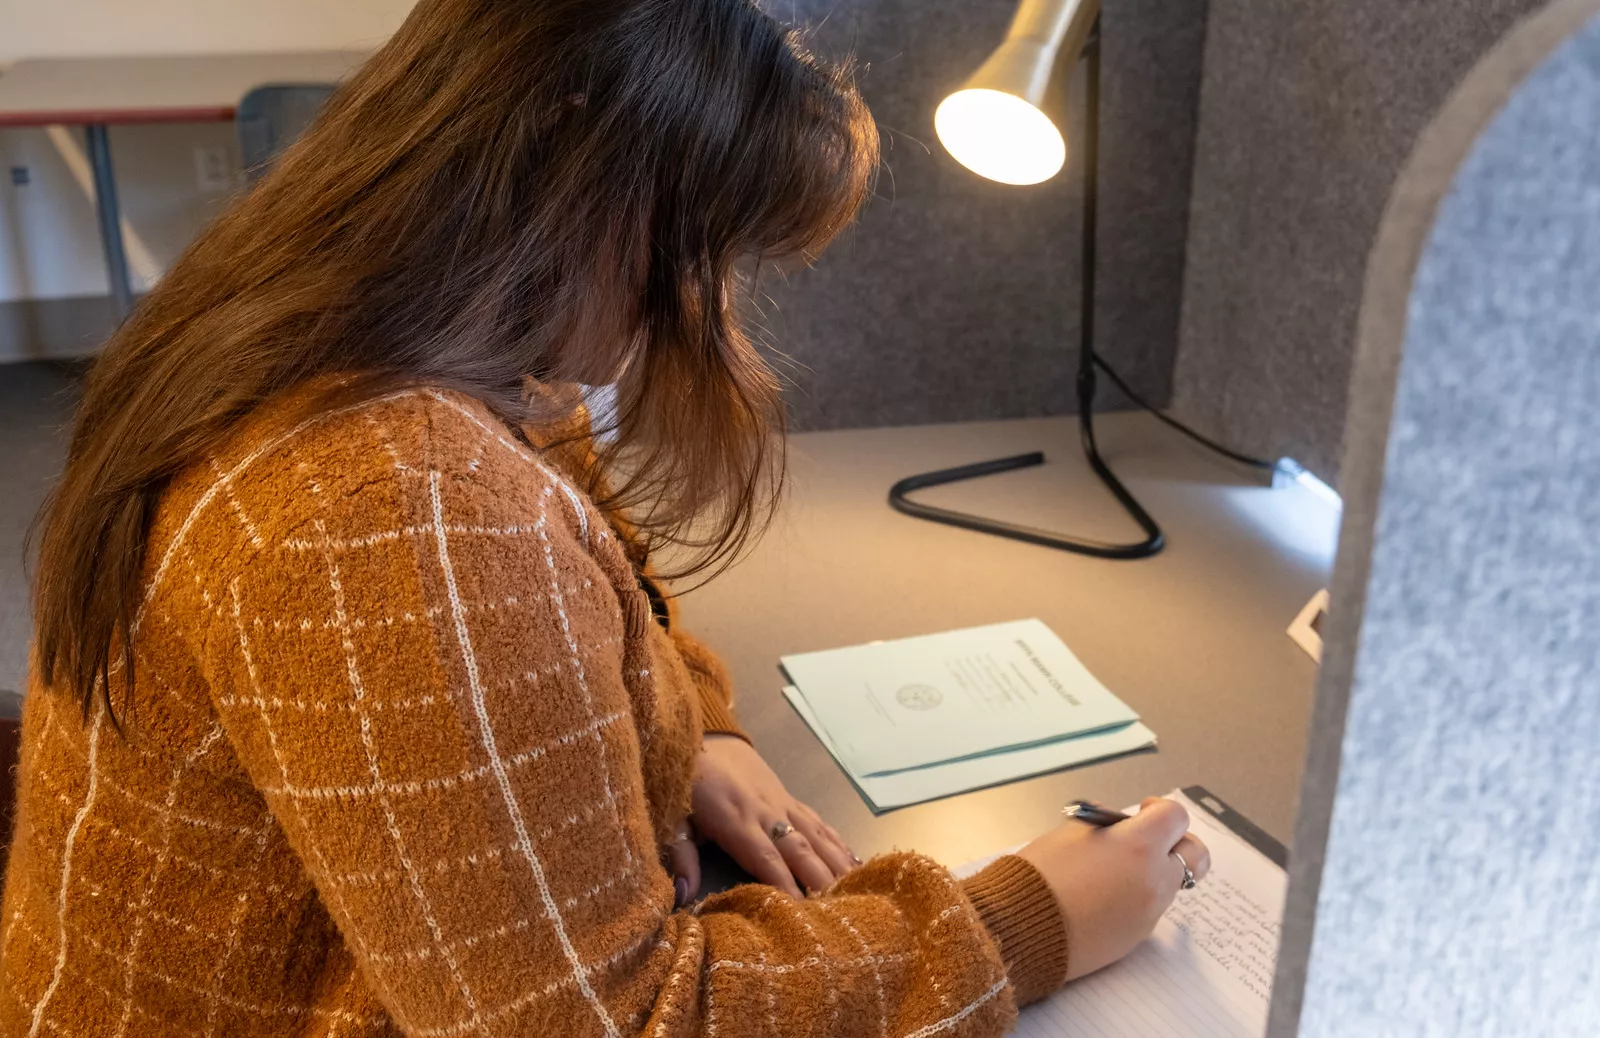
(569, 448)
(427, 680)
(713, 687)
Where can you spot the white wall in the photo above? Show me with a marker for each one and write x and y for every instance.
(49, 237)
(61, 28)
(49, 241)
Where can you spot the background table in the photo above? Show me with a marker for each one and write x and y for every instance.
(1193, 639)
(98, 92)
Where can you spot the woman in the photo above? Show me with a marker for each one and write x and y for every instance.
(355, 714)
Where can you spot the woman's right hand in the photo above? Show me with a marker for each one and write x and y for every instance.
(1112, 884)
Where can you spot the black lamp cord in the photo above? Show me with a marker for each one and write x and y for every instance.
(1088, 357)
(1200, 438)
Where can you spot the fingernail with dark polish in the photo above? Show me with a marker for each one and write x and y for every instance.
(681, 886)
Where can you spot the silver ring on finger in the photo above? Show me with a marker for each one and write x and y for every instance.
(779, 830)
(1188, 873)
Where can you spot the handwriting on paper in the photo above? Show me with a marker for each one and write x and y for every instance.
(1233, 929)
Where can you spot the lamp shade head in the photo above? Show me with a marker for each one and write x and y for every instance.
(995, 124)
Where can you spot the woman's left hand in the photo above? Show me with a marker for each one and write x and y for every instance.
(737, 800)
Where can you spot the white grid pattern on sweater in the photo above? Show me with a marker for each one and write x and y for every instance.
(686, 960)
(223, 486)
(490, 743)
(552, 478)
(358, 689)
(827, 978)
(422, 702)
(711, 1010)
(201, 868)
(417, 787)
(260, 1009)
(833, 909)
(427, 952)
(410, 955)
(358, 623)
(771, 987)
(356, 542)
(159, 809)
(580, 972)
(387, 440)
(591, 730)
(528, 998)
(810, 962)
(818, 960)
(423, 786)
(954, 1019)
(250, 529)
(66, 876)
(142, 910)
(230, 944)
(19, 924)
(171, 921)
(283, 774)
(482, 858)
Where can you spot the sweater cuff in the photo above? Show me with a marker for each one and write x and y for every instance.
(1020, 912)
(716, 716)
(711, 683)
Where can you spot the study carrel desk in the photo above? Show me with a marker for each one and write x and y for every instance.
(1193, 639)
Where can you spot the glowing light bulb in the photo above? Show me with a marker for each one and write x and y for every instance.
(1000, 136)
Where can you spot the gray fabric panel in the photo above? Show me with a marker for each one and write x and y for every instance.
(956, 298)
(1308, 110)
(1453, 736)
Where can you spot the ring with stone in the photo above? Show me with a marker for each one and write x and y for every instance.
(1188, 873)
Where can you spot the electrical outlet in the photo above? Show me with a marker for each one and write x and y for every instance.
(21, 176)
(213, 171)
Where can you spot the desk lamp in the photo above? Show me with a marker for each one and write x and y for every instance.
(995, 126)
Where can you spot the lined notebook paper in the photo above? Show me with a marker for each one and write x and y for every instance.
(1206, 971)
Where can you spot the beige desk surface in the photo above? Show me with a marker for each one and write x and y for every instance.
(178, 88)
(1193, 639)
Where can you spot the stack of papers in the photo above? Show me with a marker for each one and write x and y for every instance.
(929, 717)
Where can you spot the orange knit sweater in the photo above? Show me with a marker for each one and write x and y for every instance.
(405, 747)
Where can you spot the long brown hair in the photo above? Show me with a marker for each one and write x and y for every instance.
(559, 190)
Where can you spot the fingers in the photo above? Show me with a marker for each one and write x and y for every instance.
(1166, 826)
(838, 841)
(755, 852)
(683, 860)
(1160, 822)
(828, 845)
(1196, 854)
(803, 860)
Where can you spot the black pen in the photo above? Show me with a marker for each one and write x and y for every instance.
(1099, 816)
(1093, 813)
